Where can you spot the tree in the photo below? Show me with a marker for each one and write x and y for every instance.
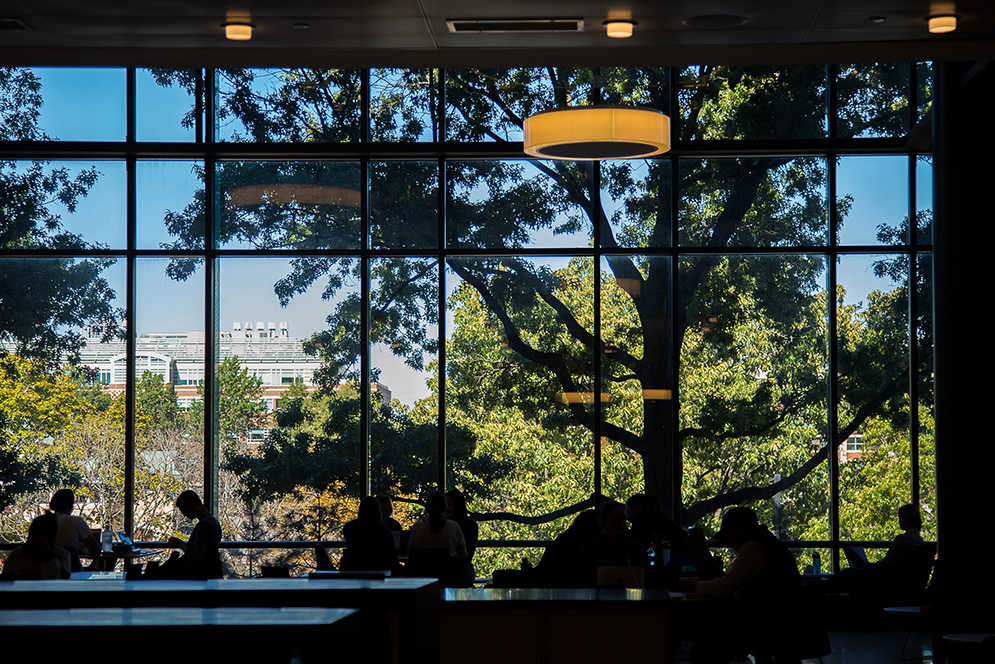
(47, 303)
(240, 408)
(761, 321)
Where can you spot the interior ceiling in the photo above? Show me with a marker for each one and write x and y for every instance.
(415, 32)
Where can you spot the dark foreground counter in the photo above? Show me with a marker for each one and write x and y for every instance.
(554, 626)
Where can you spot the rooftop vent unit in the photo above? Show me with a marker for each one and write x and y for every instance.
(545, 25)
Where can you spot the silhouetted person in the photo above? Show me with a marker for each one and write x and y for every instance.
(612, 549)
(74, 533)
(901, 576)
(764, 574)
(437, 546)
(387, 514)
(457, 511)
(648, 524)
(558, 566)
(369, 544)
(201, 557)
(39, 557)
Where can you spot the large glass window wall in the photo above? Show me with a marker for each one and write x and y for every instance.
(288, 289)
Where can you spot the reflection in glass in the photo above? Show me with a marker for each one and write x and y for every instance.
(637, 373)
(513, 350)
(499, 204)
(753, 202)
(872, 199)
(285, 205)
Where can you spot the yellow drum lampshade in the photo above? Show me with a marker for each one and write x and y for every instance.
(589, 133)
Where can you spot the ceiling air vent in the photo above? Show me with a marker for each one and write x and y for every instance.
(460, 26)
(13, 24)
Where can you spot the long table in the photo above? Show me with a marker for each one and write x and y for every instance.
(414, 601)
(555, 626)
(149, 635)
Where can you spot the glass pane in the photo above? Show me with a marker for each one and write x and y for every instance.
(404, 204)
(753, 388)
(872, 100)
(927, 441)
(490, 104)
(873, 350)
(169, 370)
(924, 199)
(170, 204)
(289, 401)
(520, 381)
(924, 94)
(872, 199)
(753, 202)
(82, 104)
(61, 426)
(404, 105)
(289, 105)
(166, 104)
(758, 102)
(636, 198)
(637, 86)
(504, 204)
(83, 199)
(404, 409)
(637, 376)
(293, 205)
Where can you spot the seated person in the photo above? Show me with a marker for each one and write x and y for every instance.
(387, 514)
(612, 549)
(558, 566)
(436, 535)
(74, 533)
(39, 557)
(369, 544)
(457, 511)
(903, 572)
(765, 574)
(201, 557)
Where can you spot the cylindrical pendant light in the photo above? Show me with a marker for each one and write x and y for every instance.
(589, 133)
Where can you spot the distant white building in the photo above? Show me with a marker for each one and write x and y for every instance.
(265, 350)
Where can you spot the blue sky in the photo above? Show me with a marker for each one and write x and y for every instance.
(878, 184)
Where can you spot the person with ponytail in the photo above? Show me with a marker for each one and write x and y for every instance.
(435, 531)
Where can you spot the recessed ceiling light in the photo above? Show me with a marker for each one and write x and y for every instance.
(714, 21)
(301, 26)
(941, 24)
(619, 29)
(876, 19)
(238, 31)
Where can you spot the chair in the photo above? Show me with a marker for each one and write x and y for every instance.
(321, 559)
